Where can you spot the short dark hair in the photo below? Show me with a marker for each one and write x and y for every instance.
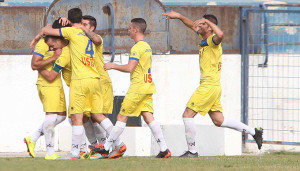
(140, 23)
(92, 20)
(46, 38)
(211, 18)
(75, 15)
(57, 25)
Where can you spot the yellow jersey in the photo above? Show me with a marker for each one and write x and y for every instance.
(210, 55)
(43, 50)
(63, 63)
(82, 53)
(104, 77)
(141, 79)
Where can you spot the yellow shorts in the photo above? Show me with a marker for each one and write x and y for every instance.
(107, 99)
(85, 95)
(53, 98)
(134, 104)
(206, 98)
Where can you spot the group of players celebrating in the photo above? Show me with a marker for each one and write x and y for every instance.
(71, 47)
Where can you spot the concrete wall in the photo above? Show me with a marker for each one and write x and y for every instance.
(176, 78)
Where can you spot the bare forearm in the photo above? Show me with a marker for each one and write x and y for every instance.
(122, 68)
(47, 75)
(40, 64)
(216, 29)
(189, 23)
(93, 36)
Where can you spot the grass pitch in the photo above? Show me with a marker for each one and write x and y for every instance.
(277, 161)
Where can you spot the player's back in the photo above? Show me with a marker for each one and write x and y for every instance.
(141, 78)
(210, 61)
(82, 53)
(43, 50)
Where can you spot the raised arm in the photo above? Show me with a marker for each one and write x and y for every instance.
(48, 30)
(219, 33)
(123, 68)
(175, 15)
(93, 36)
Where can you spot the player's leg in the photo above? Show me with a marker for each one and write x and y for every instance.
(61, 116)
(103, 149)
(83, 147)
(89, 131)
(157, 133)
(219, 120)
(190, 132)
(77, 134)
(100, 132)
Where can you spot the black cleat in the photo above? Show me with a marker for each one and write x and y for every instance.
(258, 137)
(164, 154)
(99, 149)
(189, 154)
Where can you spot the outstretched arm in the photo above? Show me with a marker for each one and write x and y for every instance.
(48, 30)
(175, 15)
(123, 68)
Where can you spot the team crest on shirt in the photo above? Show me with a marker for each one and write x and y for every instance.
(123, 110)
(192, 104)
(133, 53)
(57, 61)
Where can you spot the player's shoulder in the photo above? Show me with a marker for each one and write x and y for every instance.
(41, 44)
(66, 49)
(141, 46)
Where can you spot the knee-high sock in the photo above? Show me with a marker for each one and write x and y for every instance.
(158, 135)
(36, 134)
(236, 125)
(77, 132)
(39, 132)
(108, 127)
(90, 133)
(190, 134)
(59, 119)
(83, 142)
(48, 129)
(100, 133)
(114, 134)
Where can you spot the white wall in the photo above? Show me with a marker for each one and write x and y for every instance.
(176, 78)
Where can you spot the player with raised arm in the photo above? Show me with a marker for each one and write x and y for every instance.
(85, 83)
(206, 99)
(138, 100)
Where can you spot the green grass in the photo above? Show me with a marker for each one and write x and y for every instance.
(280, 161)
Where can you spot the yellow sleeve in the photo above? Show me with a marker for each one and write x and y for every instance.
(211, 42)
(134, 53)
(101, 39)
(41, 48)
(66, 32)
(62, 61)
